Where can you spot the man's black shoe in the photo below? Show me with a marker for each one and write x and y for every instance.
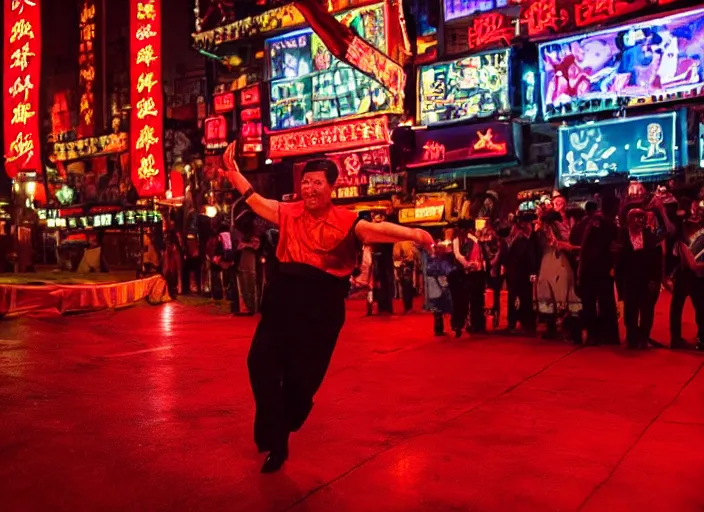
(274, 461)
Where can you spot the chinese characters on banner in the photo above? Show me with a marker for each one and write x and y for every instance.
(21, 78)
(86, 61)
(147, 117)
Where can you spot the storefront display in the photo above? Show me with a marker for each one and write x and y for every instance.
(309, 85)
(649, 62)
(632, 147)
(468, 88)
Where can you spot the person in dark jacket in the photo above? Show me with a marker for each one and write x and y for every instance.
(639, 270)
(595, 276)
(521, 265)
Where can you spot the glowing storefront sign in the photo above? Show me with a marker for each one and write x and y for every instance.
(21, 78)
(638, 146)
(86, 61)
(431, 211)
(456, 144)
(147, 122)
(649, 62)
(339, 136)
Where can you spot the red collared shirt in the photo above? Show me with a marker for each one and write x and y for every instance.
(327, 242)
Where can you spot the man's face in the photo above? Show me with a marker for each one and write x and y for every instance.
(559, 204)
(315, 191)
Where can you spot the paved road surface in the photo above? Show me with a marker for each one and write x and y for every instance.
(150, 409)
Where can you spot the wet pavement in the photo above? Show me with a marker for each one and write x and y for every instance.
(150, 409)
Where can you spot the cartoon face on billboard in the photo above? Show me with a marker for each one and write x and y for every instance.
(631, 64)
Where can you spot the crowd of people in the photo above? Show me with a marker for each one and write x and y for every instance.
(569, 269)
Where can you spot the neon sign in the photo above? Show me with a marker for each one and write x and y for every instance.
(490, 29)
(341, 135)
(638, 146)
(456, 144)
(224, 102)
(86, 61)
(21, 79)
(147, 122)
(541, 17)
(251, 121)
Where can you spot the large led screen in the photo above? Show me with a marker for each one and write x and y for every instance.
(459, 8)
(467, 88)
(646, 62)
(635, 147)
(309, 85)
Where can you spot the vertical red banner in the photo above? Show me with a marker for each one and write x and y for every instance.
(86, 61)
(22, 43)
(147, 98)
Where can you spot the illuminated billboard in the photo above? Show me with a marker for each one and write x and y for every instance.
(631, 147)
(634, 64)
(22, 48)
(308, 85)
(454, 9)
(457, 144)
(468, 88)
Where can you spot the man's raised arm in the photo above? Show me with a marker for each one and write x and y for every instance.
(268, 209)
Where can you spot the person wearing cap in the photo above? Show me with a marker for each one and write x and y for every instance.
(303, 308)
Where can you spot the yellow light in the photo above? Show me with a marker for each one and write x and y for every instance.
(30, 188)
(211, 211)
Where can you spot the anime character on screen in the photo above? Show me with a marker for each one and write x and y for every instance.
(577, 69)
(654, 152)
(672, 64)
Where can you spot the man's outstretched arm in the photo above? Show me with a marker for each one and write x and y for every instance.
(388, 233)
(268, 209)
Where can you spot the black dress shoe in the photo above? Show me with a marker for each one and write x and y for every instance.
(274, 461)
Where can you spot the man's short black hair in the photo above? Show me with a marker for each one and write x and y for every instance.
(591, 207)
(326, 166)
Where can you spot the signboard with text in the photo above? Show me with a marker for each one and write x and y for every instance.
(635, 147)
(461, 143)
(147, 116)
(22, 46)
(339, 136)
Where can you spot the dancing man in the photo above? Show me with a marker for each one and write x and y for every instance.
(303, 308)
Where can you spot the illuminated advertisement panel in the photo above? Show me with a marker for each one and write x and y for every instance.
(461, 143)
(635, 147)
(647, 62)
(339, 136)
(22, 44)
(309, 85)
(454, 9)
(468, 88)
(147, 116)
